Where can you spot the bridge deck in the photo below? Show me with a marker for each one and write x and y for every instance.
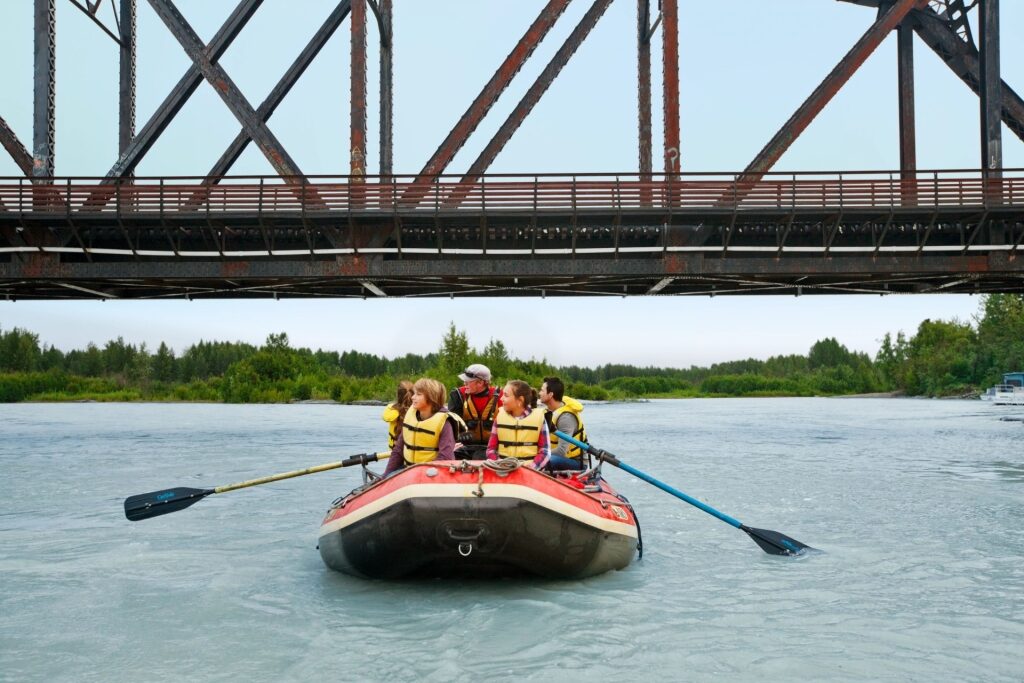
(586, 234)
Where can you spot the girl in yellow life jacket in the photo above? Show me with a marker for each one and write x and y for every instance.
(519, 430)
(394, 412)
(429, 431)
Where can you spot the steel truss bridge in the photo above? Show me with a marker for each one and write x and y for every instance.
(120, 236)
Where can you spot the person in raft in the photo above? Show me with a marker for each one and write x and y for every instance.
(476, 402)
(519, 430)
(429, 431)
(562, 415)
(394, 411)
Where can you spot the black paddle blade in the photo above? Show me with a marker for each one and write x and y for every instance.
(774, 543)
(156, 503)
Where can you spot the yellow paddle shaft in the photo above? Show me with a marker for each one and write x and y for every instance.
(299, 473)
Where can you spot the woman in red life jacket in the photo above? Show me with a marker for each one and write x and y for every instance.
(476, 402)
(519, 430)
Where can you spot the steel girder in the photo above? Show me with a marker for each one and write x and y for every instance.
(225, 87)
(42, 276)
(827, 89)
(187, 85)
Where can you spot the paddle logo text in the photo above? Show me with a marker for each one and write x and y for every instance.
(166, 495)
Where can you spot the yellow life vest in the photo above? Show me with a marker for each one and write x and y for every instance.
(482, 430)
(393, 418)
(422, 436)
(569, 405)
(517, 437)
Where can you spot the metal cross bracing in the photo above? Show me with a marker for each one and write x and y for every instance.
(436, 234)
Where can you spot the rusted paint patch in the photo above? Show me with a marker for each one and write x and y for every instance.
(235, 268)
(354, 265)
(978, 264)
(41, 265)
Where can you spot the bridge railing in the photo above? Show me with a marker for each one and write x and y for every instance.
(316, 195)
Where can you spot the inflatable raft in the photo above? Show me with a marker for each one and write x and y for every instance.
(480, 519)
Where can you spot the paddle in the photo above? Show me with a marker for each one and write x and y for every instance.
(165, 501)
(771, 542)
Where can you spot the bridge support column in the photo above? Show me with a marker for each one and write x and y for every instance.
(357, 109)
(670, 82)
(991, 90)
(908, 132)
(643, 84)
(45, 19)
(126, 91)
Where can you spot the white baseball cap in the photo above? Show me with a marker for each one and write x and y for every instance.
(476, 371)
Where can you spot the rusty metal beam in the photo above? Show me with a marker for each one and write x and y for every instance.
(537, 90)
(825, 91)
(45, 20)
(280, 90)
(126, 91)
(643, 84)
(905, 80)
(991, 91)
(670, 83)
(187, 85)
(228, 91)
(386, 87)
(964, 60)
(951, 39)
(15, 148)
(357, 102)
(465, 126)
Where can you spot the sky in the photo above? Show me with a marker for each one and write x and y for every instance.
(745, 66)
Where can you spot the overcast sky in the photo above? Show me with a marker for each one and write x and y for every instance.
(745, 66)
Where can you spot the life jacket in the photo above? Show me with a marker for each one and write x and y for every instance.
(517, 437)
(393, 418)
(422, 436)
(481, 431)
(569, 405)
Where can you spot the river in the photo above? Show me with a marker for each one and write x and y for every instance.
(917, 507)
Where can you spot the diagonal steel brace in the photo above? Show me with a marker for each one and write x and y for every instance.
(228, 91)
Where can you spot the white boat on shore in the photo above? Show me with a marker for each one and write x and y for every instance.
(1009, 393)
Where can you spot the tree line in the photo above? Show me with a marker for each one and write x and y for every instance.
(941, 358)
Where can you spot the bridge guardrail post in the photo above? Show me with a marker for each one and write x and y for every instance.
(67, 197)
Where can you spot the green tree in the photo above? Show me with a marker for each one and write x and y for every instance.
(19, 351)
(495, 356)
(455, 351)
(1000, 336)
(828, 353)
(163, 369)
(940, 358)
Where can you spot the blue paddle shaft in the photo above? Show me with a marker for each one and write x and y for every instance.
(651, 480)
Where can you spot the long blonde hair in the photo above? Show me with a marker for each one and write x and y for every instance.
(403, 397)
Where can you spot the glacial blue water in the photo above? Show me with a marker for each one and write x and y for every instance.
(917, 505)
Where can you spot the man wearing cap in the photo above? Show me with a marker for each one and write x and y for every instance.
(476, 402)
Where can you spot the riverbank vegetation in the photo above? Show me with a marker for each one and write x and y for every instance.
(941, 358)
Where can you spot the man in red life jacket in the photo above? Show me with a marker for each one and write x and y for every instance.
(476, 402)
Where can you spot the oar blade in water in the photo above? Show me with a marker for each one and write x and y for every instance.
(774, 543)
(156, 503)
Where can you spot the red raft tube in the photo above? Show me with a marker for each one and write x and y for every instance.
(480, 519)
